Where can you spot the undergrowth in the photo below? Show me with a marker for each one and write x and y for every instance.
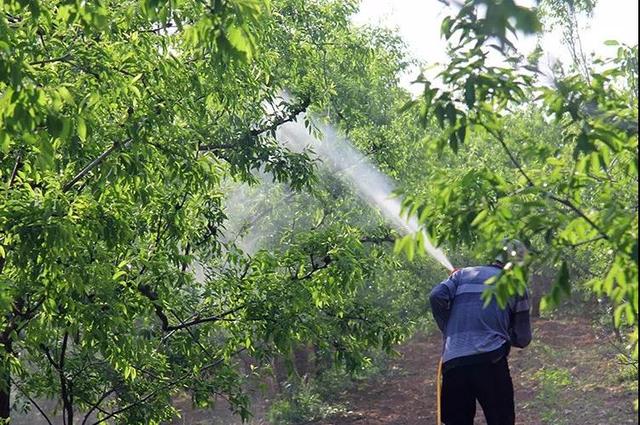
(309, 399)
(552, 382)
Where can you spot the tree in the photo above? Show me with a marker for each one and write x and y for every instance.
(565, 15)
(121, 124)
(557, 165)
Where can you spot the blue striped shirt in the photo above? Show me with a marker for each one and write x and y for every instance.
(468, 327)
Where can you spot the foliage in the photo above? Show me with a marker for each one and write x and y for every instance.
(304, 405)
(310, 398)
(122, 125)
(558, 172)
(566, 14)
(125, 124)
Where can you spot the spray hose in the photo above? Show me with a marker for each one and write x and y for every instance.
(439, 380)
(439, 393)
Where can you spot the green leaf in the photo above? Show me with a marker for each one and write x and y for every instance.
(445, 27)
(584, 145)
(470, 92)
(66, 95)
(5, 142)
(562, 280)
(545, 305)
(479, 218)
(411, 249)
(440, 113)
(240, 41)
(45, 150)
(408, 105)
(452, 113)
(617, 314)
(81, 128)
(118, 274)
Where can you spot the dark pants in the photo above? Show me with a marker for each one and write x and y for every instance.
(489, 383)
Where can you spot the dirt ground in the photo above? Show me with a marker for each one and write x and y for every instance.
(407, 395)
(569, 375)
(590, 392)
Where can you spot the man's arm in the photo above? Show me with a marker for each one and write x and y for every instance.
(440, 300)
(520, 329)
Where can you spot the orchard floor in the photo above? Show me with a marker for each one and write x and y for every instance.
(567, 376)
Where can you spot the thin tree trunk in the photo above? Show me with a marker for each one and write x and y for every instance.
(5, 379)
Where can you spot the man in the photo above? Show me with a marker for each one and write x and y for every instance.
(477, 341)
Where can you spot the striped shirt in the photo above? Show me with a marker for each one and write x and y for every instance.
(471, 331)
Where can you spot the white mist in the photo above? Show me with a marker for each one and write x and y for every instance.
(373, 186)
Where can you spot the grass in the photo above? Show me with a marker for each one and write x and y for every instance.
(578, 377)
(306, 401)
(304, 405)
(552, 382)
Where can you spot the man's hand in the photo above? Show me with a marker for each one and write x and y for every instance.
(453, 271)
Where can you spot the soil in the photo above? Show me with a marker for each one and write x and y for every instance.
(594, 396)
(569, 375)
(407, 395)
(594, 392)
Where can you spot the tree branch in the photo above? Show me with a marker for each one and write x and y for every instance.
(157, 30)
(96, 405)
(93, 164)
(377, 239)
(32, 401)
(193, 337)
(14, 172)
(588, 241)
(49, 357)
(65, 390)
(512, 157)
(63, 58)
(314, 268)
(153, 296)
(198, 321)
(575, 209)
(290, 116)
(163, 388)
(277, 122)
(562, 201)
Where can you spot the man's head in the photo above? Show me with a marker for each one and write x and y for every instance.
(511, 251)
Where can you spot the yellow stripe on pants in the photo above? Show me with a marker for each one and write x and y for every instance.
(439, 394)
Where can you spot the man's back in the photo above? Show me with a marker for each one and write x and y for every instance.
(477, 339)
(469, 327)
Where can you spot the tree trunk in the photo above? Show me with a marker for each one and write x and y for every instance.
(5, 374)
(279, 371)
(301, 358)
(540, 283)
(5, 379)
(5, 396)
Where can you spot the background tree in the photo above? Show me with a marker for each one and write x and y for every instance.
(122, 122)
(565, 15)
(559, 169)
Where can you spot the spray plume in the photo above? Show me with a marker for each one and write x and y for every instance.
(373, 186)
